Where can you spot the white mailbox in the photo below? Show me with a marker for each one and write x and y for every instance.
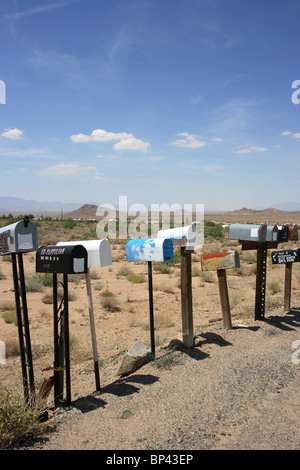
(20, 237)
(181, 236)
(99, 252)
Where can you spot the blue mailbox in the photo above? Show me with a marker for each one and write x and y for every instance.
(152, 249)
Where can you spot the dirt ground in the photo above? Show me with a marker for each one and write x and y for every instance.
(236, 389)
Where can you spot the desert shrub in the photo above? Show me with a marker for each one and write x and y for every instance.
(6, 305)
(274, 287)
(213, 230)
(10, 317)
(34, 284)
(162, 268)
(17, 419)
(135, 278)
(124, 271)
(2, 275)
(109, 301)
(69, 223)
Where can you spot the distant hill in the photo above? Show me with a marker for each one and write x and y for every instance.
(16, 206)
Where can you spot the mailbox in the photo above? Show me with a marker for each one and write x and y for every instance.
(152, 249)
(283, 233)
(181, 236)
(99, 252)
(65, 259)
(213, 262)
(20, 237)
(285, 256)
(293, 232)
(272, 233)
(247, 232)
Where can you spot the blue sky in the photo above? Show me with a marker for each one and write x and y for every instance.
(169, 101)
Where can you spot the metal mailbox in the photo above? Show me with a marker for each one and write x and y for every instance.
(213, 262)
(65, 259)
(99, 251)
(20, 237)
(293, 232)
(181, 236)
(283, 233)
(152, 249)
(285, 256)
(272, 233)
(247, 232)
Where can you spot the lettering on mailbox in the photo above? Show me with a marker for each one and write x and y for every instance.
(4, 236)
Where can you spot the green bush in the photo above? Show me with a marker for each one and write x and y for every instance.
(213, 230)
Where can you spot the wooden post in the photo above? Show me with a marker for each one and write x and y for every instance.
(186, 298)
(93, 330)
(287, 286)
(261, 273)
(222, 281)
(151, 309)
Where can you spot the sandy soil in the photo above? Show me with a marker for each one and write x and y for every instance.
(237, 389)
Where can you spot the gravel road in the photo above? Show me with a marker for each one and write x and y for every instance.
(237, 389)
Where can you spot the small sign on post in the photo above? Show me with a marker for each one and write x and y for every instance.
(286, 257)
(220, 262)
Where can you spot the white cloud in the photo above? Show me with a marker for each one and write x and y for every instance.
(285, 133)
(253, 148)
(98, 176)
(217, 139)
(189, 141)
(13, 134)
(296, 135)
(126, 141)
(65, 169)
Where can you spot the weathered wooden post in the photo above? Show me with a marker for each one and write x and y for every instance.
(71, 259)
(99, 256)
(220, 262)
(150, 249)
(186, 238)
(286, 257)
(16, 239)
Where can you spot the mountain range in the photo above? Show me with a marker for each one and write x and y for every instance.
(17, 206)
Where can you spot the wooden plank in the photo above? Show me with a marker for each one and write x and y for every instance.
(287, 286)
(186, 298)
(223, 289)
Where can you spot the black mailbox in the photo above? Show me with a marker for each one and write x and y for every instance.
(283, 233)
(68, 259)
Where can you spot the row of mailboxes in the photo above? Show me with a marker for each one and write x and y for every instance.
(262, 232)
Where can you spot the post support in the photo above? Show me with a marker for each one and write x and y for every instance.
(152, 339)
(287, 286)
(186, 298)
(261, 275)
(224, 298)
(92, 327)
